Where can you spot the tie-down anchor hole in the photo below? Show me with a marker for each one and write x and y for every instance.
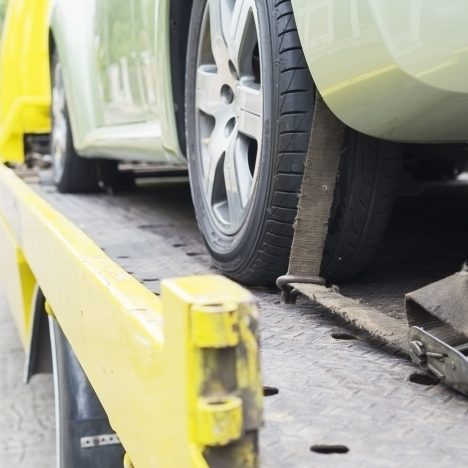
(424, 379)
(329, 449)
(270, 391)
(343, 336)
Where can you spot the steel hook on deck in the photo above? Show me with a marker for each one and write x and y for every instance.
(288, 293)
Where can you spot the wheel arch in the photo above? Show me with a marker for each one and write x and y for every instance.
(179, 20)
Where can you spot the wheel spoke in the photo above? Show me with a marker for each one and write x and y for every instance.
(244, 176)
(217, 9)
(207, 90)
(61, 131)
(56, 107)
(58, 146)
(251, 109)
(231, 180)
(242, 32)
(213, 151)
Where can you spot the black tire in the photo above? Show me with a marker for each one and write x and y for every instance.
(76, 174)
(72, 173)
(78, 411)
(365, 190)
(259, 252)
(111, 178)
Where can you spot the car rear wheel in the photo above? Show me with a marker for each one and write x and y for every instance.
(71, 172)
(249, 111)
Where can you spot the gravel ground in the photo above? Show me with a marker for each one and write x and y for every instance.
(27, 421)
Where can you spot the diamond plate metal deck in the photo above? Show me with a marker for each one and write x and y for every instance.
(331, 391)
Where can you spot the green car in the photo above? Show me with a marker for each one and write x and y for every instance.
(227, 88)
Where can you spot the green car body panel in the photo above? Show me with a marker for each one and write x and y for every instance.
(116, 62)
(393, 69)
(396, 70)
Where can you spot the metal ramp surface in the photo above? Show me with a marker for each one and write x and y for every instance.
(336, 386)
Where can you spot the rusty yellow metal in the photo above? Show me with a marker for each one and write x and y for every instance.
(215, 326)
(219, 420)
(222, 384)
(176, 394)
(24, 76)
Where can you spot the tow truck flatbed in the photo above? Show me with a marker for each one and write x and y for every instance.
(338, 389)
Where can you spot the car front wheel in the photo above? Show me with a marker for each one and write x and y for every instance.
(249, 112)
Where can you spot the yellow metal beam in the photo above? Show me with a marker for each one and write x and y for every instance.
(25, 91)
(17, 282)
(178, 376)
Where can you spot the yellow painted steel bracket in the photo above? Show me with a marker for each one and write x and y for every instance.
(24, 76)
(178, 375)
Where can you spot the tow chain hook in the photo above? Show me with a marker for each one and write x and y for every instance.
(288, 293)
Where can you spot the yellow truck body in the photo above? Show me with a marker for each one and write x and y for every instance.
(24, 76)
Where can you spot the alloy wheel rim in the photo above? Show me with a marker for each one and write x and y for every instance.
(59, 124)
(229, 110)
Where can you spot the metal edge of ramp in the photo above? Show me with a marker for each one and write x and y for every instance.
(150, 360)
